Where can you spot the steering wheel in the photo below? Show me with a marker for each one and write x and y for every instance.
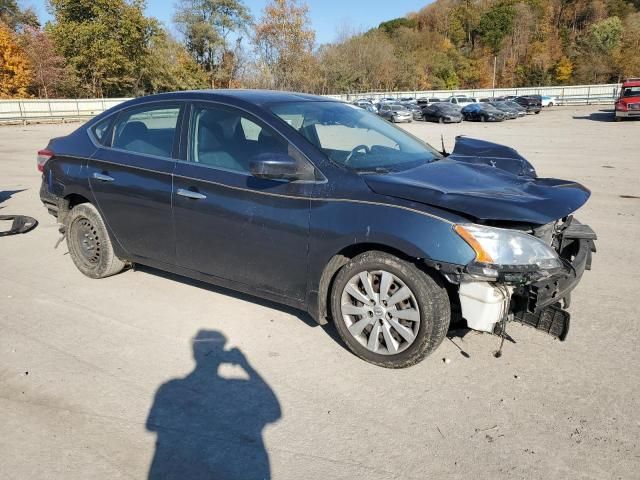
(355, 150)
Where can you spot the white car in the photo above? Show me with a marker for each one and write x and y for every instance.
(548, 101)
(461, 101)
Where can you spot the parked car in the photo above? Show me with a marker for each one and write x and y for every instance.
(531, 103)
(482, 112)
(628, 103)
(517, 107)
(366, 105)
(314, 204)
(396, 113)
(442, 113)
(510, 113)
(548, 101)
(415, 109)
(461, 101)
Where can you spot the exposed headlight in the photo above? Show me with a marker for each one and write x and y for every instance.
(503, 247)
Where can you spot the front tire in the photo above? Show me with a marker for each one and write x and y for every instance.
(89, 244)
(388, 311)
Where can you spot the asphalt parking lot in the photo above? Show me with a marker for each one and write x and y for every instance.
(102, 378)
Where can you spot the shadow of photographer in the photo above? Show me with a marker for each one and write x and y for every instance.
(208, 426)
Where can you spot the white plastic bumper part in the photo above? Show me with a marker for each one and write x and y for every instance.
(483, 304)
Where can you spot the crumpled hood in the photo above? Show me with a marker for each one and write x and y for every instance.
(495, 183)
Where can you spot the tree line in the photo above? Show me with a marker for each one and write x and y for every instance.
(110, 48)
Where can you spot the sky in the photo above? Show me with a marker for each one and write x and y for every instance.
(327, 16)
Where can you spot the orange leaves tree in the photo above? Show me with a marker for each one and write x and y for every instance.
(284, 43)
(15, 72)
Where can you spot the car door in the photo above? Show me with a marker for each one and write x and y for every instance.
(131, 179)
(230, 224)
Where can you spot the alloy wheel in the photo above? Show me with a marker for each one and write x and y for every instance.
(380, 312)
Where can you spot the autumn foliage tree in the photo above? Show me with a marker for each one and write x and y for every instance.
(284, 43)
(50, 76)
(15, 72)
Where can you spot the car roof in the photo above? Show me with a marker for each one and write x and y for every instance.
(258, 97)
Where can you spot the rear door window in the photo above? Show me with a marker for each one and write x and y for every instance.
(148, 130)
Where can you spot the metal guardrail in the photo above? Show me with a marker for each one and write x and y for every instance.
(38, 110)
(565, 95)
(33, 110)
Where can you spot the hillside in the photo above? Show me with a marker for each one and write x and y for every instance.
(454, 43)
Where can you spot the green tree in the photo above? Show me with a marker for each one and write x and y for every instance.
(207, 27)
(391, 26)
(495, 25)
(171, 67)
(105, 42)
(16, 18)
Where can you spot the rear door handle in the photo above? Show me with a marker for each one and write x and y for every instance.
(102, 177)
(190, 194)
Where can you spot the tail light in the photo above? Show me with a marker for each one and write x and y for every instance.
(43, 157)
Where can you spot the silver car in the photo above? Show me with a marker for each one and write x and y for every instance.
(395, 113)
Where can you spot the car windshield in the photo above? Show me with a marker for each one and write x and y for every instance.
(355, 138)
(631, 91)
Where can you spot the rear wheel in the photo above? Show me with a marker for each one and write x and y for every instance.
(89, 244)
(388, 311)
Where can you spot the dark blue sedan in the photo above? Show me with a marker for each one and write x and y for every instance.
(322, 206)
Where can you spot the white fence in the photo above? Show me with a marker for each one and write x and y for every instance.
(68, 109)
(56, 109)
(576, 94)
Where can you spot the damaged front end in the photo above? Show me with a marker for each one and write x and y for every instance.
(523, 275)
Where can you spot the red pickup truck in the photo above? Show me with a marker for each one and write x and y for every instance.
(628, 103)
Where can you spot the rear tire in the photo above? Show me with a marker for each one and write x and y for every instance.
(89, 243)
(394, 335)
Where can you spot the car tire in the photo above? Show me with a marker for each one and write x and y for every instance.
(483, 118)
(89, 243)
(537, 112)
(550, 104)
(414, 334)
(617, 119)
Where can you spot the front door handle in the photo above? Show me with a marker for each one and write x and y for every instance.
(190, 194)
(102, 177)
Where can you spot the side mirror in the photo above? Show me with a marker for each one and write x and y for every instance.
(275, 166)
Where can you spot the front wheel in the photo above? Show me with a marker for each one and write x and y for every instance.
(388, 311)
(89, 244)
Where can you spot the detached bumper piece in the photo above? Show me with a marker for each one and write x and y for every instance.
(552, 320)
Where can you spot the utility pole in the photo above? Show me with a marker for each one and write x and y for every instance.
(495, 59)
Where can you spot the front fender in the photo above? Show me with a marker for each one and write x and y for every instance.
(337, 226)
